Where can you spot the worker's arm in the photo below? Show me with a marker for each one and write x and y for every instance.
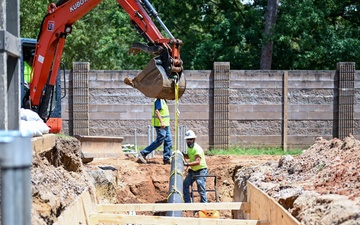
(194, 163)
(186, 156)
(158, 115)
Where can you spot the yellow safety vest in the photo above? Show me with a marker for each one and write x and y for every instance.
(192, 152)
(164, 112)
(27, 72)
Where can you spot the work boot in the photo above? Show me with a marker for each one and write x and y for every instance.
(167, 161)
(141, 158)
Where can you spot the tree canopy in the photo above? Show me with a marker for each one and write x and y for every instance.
(307, 35)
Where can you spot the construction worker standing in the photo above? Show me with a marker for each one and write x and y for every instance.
(161, 122)
(198, 167)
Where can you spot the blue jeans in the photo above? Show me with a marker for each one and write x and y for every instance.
(201, 184)
(162, 136)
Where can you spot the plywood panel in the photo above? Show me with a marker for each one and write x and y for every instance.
(265, 209)
(105, 208)
(122, 219)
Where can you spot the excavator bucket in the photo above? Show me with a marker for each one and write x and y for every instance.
(153, 82)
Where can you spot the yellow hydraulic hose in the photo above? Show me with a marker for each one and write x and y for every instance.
(176, 114)
(176, 127)
(176, 176)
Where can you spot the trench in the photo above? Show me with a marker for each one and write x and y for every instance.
(75, 186)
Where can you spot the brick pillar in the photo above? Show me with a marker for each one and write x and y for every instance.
(221, 105)
(80, 98)
(346, 92)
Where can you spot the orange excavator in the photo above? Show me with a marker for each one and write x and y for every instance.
(157, 80)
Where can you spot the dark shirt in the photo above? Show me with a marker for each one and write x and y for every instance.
(158, 105)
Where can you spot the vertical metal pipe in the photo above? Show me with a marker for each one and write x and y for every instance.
(135, 140)
(182, 145)
(15, 163)
(176, 182)
(149, 135)
(178, 137)
(152, 139)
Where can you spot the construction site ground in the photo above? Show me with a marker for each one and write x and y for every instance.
(59, 176)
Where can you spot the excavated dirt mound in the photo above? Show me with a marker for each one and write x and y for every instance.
(306, 185)
(320, 186)
(57, 179)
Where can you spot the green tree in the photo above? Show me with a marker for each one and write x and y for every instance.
(218, 30)
(316, 34)
(31, 15)
(308, 34)
(104, 37)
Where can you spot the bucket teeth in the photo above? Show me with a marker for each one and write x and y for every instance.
(128, 81)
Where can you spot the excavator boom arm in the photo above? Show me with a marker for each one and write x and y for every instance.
(57, 24)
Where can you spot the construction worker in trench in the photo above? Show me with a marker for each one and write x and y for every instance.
(198, 166)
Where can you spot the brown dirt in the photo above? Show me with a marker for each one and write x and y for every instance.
(320, 186)
(327, 167)
(148, 183)
(59, 176)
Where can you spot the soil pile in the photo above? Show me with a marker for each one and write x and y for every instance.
(320, 186)
(57, 179)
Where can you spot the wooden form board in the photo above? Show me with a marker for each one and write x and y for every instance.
(115, 213)
(285, 110)
(78, 212)
(125, 219)
(264, 208)
(156, 207)
(261, 210)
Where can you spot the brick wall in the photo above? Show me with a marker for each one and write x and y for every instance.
(256, 116)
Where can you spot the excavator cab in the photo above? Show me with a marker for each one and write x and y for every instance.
(52, 113)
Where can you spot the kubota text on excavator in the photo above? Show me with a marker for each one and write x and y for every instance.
(157, 80)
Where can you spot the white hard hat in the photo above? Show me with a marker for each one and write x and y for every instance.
(190, 134)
